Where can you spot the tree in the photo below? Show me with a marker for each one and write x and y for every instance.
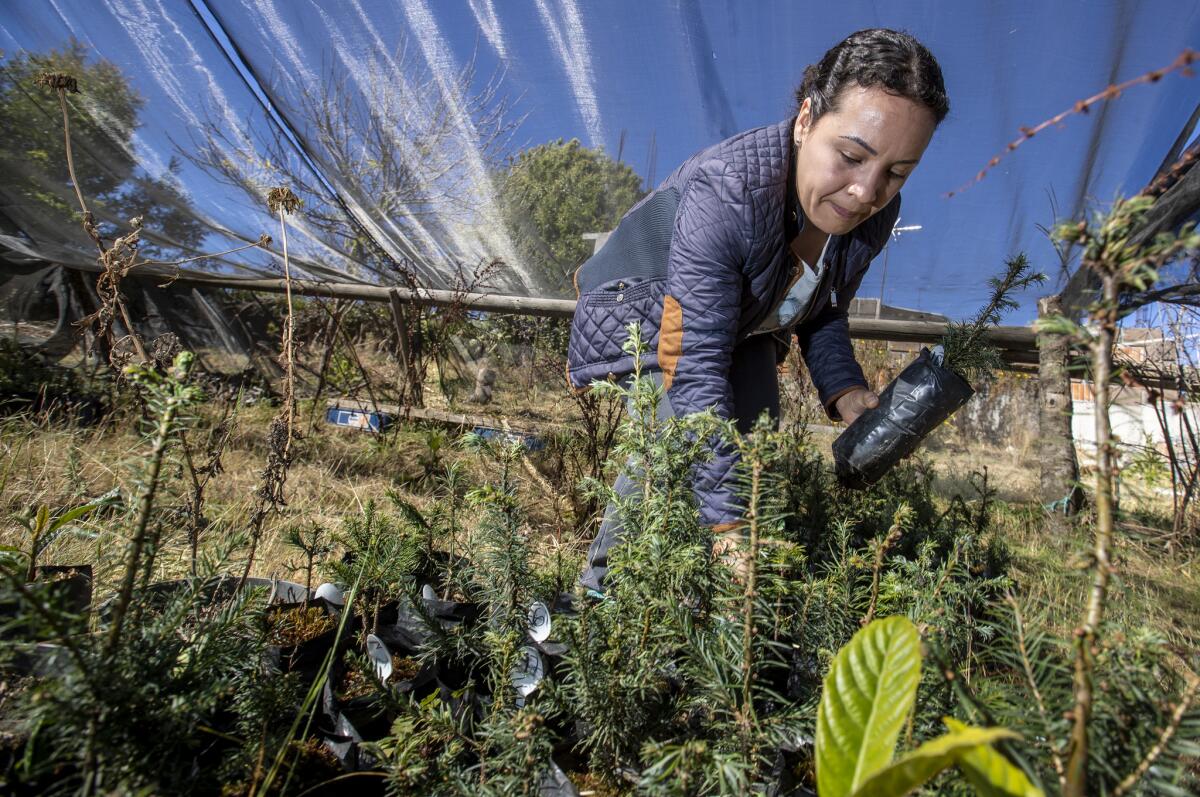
(104, 114)
(397, 154)
(553, 194)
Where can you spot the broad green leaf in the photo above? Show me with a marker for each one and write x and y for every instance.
(991, 774)
(72, 514)
(866, 698)
(58, 526)
(921, 765)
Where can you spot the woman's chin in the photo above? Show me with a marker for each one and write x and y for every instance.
(835, 224)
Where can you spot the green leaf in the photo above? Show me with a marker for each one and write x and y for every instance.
(866, 698)
(990, 773)
(43, 517)
(72, 514)
(927, 761)
(58, 526)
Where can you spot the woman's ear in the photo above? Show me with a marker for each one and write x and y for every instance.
(803, 122)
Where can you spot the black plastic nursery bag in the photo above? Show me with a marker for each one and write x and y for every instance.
(912, 406)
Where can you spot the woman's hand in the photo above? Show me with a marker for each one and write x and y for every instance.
(855, 403)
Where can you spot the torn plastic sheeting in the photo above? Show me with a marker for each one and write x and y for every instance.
(912, 406)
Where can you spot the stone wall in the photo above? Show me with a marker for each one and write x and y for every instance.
(1003, 413)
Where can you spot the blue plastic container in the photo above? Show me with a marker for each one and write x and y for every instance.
(363, 420)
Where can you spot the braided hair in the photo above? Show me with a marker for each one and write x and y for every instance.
(892, 60)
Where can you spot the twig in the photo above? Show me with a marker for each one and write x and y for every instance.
(1164, 739)
(1085, 635)
(752, 515)
(1182, 63)
(263, 242)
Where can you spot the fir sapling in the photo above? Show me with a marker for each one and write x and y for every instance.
(966, 351)
(313, 543)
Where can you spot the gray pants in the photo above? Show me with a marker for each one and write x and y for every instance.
(755, 383)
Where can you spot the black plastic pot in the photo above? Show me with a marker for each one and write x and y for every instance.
(557, 783)
(306, 657)
(365, 715)
(215, 589)
(44, 660)
(68, 588)
(912, 406)
(71, 585)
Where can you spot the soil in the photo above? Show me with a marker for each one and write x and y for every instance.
(404, 668)
(313, 763)
(61, 575)
(356, 684)
(299, 624)
(588, 783)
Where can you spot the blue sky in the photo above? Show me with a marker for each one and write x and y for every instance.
(686, 73)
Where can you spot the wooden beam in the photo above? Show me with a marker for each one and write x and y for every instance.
(1017, 344)
(516, 305)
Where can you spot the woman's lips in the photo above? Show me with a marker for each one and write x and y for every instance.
(845, 214)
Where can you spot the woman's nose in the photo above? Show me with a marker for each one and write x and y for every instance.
(868, 188)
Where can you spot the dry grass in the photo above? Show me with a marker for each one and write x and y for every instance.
(336, 472)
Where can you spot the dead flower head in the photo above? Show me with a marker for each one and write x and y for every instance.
(164, 348)
(57, 80)
(122, 352)
(282, 198)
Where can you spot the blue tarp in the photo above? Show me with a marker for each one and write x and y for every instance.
(464, 85)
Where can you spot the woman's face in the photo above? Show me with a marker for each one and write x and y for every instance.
(852, 162)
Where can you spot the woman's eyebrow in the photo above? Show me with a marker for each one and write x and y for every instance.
(871, 149)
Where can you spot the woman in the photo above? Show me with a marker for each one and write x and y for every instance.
(759, 237)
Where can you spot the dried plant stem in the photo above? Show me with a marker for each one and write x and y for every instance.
(62, 103)
(1055, 758)
(885, 545)
(162, 436)
(137, 342)
(274, 477)
(113, 271)
(197, 501)
(201, 476)
(1085, 635)
(1185, 702)
(752, 516)
(289, 395)
(263, 241)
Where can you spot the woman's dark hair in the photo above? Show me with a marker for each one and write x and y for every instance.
(890, 59)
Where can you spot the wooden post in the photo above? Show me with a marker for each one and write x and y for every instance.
(1056, 445)
(408, 345)
(329, 336)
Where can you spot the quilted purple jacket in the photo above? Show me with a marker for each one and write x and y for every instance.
(700, 263)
